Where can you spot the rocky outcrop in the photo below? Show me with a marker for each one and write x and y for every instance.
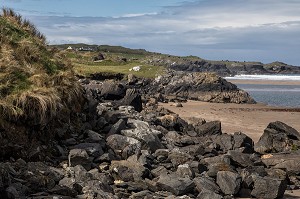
(118, 152)
(199, 86)
(228, 68)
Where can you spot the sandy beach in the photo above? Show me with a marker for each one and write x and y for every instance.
(251, 119)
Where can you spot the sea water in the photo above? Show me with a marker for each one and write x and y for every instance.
(272, 94)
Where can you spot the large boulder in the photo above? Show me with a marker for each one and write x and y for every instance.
(174, 184)
(277, 137)
(240, 159)
(123, 145)
(206, 184)
(128, 170)
(209, 128)
(112, 90)
(229, 182)
(132, 98)
(173, 122)
(288, 162)
(268, 188)
(146, 135)
(199, 86)
(79, 157)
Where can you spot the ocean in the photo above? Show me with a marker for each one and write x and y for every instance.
(272, 94)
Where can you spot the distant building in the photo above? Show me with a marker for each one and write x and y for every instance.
(91, 49)
(69, 48)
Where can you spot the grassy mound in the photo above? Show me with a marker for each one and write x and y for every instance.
(35, 83)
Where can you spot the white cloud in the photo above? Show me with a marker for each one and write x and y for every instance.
(137, 15)
(263, 30)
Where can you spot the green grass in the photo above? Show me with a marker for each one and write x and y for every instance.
(147, 71)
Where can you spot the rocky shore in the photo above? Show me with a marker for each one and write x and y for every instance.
(125, 146)
(227, 68)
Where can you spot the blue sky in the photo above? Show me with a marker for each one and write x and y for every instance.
(244, 30)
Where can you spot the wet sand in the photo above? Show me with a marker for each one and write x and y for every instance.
(250, 119)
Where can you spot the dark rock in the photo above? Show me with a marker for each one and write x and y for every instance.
(125, 146)
(277, 173)
(208, 195)
(224, 141)
(132, 98)
(209, 128)
(94, 137)
(214, 169)
(64, 191)
(286, 129)
(97, 190)
(161, 170)
(242, 140)
(288, 162)
(117, 127)
(142, 132)
(175, 184)
(185, 171)
(79, 157)
(268, 188)
(240, 159)
(112, 90)
(99, 57)
(128, 170)
(199, 86)
(173, 122)
(177, 157)
(277, 137)
(204, 183)
(93, 149)
(229, 182)
(146, 158)
(70, 141)
(106, 157)
(142, 194)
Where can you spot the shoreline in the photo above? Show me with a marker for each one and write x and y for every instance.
(250, 119)
(264, 82)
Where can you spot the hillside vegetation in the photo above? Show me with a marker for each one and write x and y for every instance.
(119, 59)
(35, 83)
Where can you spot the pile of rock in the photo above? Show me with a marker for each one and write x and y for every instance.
(119, 150)
(122, 153)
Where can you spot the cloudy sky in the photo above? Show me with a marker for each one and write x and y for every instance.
(244, 30)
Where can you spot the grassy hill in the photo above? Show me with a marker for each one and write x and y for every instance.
(35, 83)
(117, 60)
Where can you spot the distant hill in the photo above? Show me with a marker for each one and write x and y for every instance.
(184, 63)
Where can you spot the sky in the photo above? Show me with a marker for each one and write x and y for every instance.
(240, 30)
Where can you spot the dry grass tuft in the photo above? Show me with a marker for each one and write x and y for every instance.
(35, 83)
(39, 105)
(10, 111)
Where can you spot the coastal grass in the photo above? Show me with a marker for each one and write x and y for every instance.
(36, 83)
